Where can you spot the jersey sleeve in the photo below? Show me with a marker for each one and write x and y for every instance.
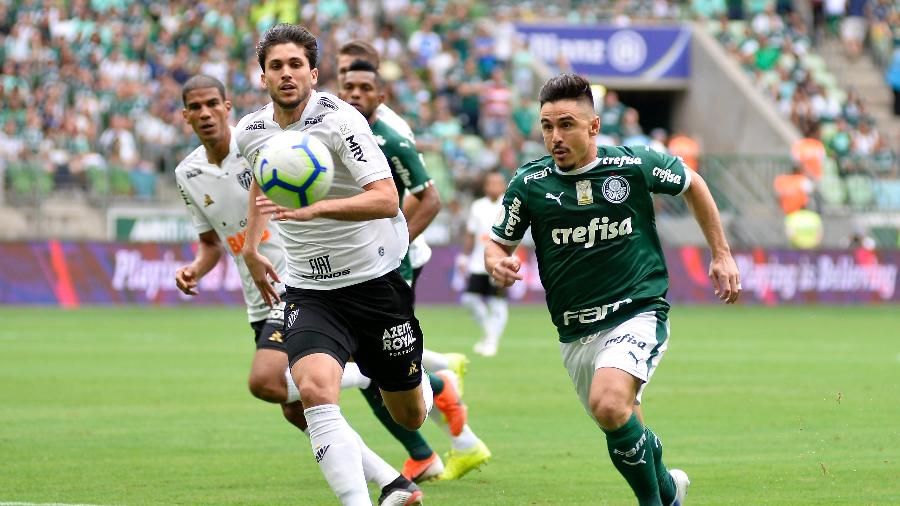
(408, 164)
(358, 150)
(201, 223)
(665, 173)
(473, 221)
(513, 219)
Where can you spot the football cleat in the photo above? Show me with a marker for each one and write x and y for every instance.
(401, 493)
(461, 462)
(459, 365)
(681, 485)
(450, 404)
(423, 470)
(486, 348)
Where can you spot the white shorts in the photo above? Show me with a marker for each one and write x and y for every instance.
(635, 346)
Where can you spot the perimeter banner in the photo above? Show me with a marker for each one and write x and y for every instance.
(74, 273)
(637, 52)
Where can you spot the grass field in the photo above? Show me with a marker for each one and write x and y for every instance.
(132, 406)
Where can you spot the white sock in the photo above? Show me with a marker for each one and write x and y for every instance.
(478, 309)
(427, 393)
(353, 377)
(499, 314)
(293, 395)
(336, 449)
(465, 440)
(434, 361)
(376, 470)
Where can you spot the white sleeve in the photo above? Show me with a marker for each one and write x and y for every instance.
(473, 224)
(201, 223)
(357, 149)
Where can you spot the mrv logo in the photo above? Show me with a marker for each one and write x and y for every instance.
(355, 149)
(666, 176)
(593, 314)
(399, 339)
(588, 235)
(321, 269)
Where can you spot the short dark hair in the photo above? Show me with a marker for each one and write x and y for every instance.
(199, 82)
(363, 50)
(566, 87)
(285, 33)
(366, 66)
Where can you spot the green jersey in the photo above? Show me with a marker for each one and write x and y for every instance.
(598, 253)
(406, 166)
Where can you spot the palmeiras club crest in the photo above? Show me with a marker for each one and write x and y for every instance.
(616, 189)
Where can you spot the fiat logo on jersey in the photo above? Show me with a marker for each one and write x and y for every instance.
(616, 189)
(244, 178)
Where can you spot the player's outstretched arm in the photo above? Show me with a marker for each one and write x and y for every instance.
(261, 269)
(723, 271)
(379, 200)
(504, 267)
(209, 251)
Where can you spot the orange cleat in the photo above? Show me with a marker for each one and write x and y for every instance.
(423, 470)
(450, 404)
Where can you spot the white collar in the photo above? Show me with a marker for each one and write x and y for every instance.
(578, 171)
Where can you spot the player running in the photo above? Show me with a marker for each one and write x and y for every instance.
(359, 231)
(485, 300)
(214, 181)
(599, 258)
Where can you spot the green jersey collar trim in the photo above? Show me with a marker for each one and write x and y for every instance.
(579, 171)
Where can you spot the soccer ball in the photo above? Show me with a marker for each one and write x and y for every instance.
(294, 169)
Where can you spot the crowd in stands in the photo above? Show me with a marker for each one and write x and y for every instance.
(90, 89)
(842, 153)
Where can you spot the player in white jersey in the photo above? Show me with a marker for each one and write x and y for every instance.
(214, 181)
(485, 300)
(344, 295)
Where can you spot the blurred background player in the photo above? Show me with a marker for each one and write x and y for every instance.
(340, 315)
(214, 182)
(362, 87)
(483, 297)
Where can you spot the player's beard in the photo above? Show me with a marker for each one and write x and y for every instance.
(289, 105)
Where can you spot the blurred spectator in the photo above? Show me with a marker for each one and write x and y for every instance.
(632, 133)
(892, 76)
(804, 229)
(496, 106)
(611, 115)
(853, 27)
(685, 147)
(809, 154)
(793, 190)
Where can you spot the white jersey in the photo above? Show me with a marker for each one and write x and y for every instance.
(419, 251)
(324, 254)
(482, 215)
(217, 198)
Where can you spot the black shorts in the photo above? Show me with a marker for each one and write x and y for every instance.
(269, 333)
(483, 285)
(416, 273)
(372, 320)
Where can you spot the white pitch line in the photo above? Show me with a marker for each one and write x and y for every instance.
(43, 504)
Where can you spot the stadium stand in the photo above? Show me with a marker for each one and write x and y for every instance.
(90, 106)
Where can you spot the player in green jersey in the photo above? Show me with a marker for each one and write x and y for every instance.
(361, 87)
(601, 263)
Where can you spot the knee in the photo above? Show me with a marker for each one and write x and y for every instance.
(266, 387)
(410, 419)
(293, 413)
(315, 391)
(611, 411)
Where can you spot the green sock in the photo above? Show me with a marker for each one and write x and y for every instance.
(629, 452)
(437, 384)
(414, 443)
(663, 478)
